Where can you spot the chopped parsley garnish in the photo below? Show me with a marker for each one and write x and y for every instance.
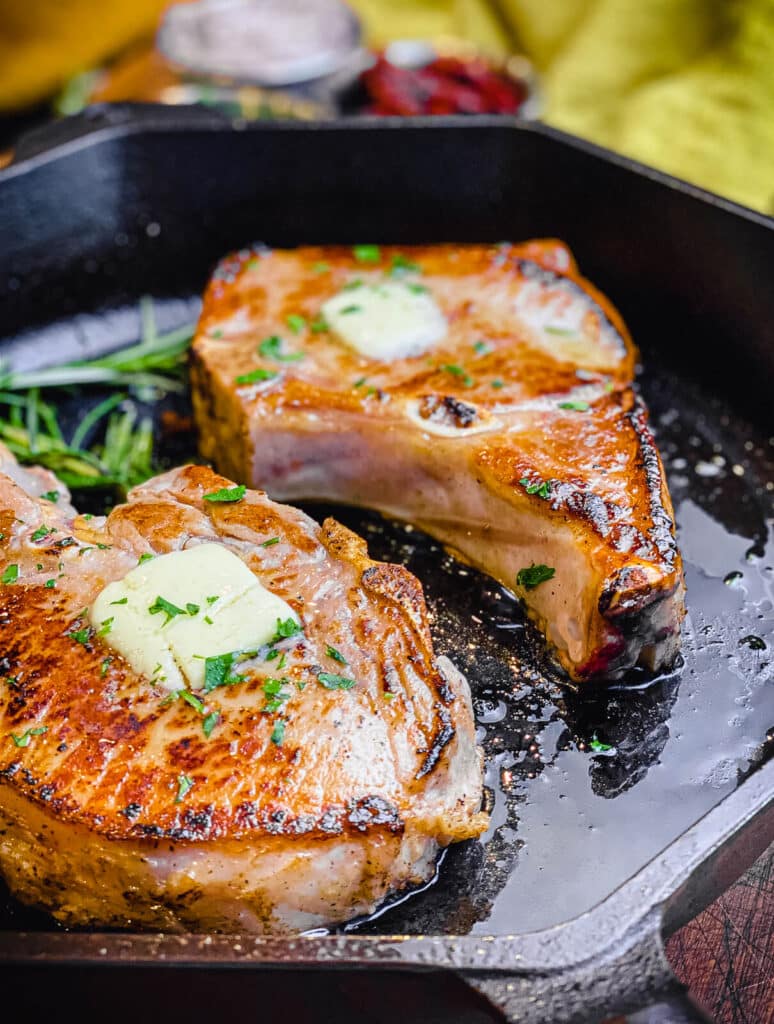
(170, 610)
(360, 382)
(24, 739)
(50, 584)
(276, 695)
(285, 628)
(192, 699)
(10, 574)
(104, 547)
(281, 662)
(184, 785)
(145, 558)
(331, 652)
(498, 384)
(105, 626)
(388, 696)
(227, 494)
(81, 636)
(192, 609)
(103, 669)
(217, 333)
(542, 488)
(575, 406)
(296, 323)
(367, 253)
(217, 670)
(350, 286)
(41, 532)
(563, 332)
(278, 732)
(319, 325)
(208, 620)
(334, 682)
(351, 309)
(533, 576)
(209, 722)
(417, 289)
(457, 371)
(401, 263)
(270, 542)
(50, 496)
(271, 348)
(320, 268)
(482, 348)
(212, 598)
(121, 600)
(254, 376)
(598, 746)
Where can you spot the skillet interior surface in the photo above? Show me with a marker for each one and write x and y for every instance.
(92, 230)
(571, 819)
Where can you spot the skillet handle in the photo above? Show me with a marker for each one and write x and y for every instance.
(625, 980)
(102, 117)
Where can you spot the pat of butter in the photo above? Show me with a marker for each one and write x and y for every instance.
(171, 651)
(387, 320)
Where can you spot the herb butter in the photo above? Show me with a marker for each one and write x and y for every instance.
(386, 320)
(172, 612)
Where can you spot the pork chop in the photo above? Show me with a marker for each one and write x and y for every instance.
(481, 392)
(320, 774)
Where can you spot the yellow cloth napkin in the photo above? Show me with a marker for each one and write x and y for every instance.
(683, 85)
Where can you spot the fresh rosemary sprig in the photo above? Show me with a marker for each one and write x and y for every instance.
(30, 428)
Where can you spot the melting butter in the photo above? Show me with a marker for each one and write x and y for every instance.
(386, 320)
(172, 612)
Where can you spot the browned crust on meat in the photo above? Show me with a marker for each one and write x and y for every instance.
(111, 755)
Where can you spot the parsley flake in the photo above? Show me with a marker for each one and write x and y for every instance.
(145, 558)
(296, 323)
(105, 626)
(331, 652)
(598, 746)
(319, 325)
(278, 732)
(192, 699)
(24, 739)
(10, 574)
(81, 636)
(575, 406)
(209, 722)
(41, 532)
(184, 786)
(170, 610)
(542, 487)
(320, 268)
(351, 309)
(103, 669)
(367, 253)
(402, 264)
(334, 682)
(192, 609)
(217, 669)
(285, 628)
(482, 348)
(50, 584)
(226, 494)
(271, 348)
(254, 376)
(457, 371)
(270, 542)
(121, 600)
(534, 575)
(50, 495)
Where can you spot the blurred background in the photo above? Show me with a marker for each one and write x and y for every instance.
(683, 85)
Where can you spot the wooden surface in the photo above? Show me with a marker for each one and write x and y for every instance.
(726, 955)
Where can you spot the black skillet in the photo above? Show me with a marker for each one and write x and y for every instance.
(594, 854)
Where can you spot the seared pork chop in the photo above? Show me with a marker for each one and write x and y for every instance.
(298, 788)
(481, 392)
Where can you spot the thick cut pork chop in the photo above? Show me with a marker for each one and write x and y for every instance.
(482, 392)
(313, 779)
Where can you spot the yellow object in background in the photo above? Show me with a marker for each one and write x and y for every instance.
(683, 85)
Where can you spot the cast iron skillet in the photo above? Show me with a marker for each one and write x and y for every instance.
(593, 853)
